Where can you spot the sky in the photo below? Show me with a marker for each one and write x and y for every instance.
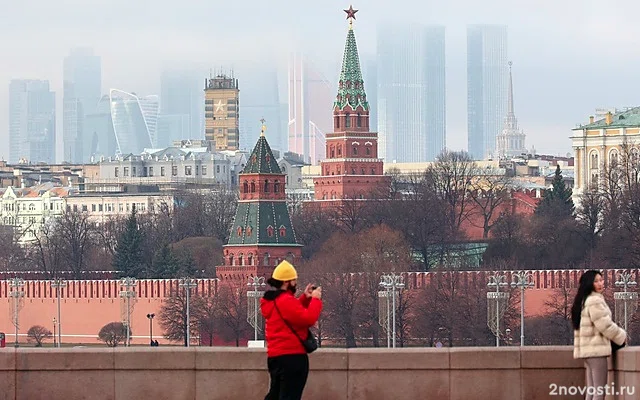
(569, 57)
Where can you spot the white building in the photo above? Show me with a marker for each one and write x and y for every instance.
(27, 210)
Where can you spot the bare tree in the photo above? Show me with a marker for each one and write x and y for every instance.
(558, 308)
(451, 178)
(232, 313)
(173, 316)
(489, 192)
(75, 233)
(46, 250)
(113, 334)
(38, 334)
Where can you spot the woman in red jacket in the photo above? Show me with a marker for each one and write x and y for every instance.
(283, 314)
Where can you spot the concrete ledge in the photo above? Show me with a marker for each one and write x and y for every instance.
(508, 373)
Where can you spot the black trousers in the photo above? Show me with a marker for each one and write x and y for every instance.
(288, 376)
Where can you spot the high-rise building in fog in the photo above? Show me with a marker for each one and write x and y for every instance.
(411, 97)
(132, 118)
(370, 75)
(221, 111)
(260, 99)
(181, 107)
(82, 83)
(487, 80)
(32, 121)
(310, 100)
(98, 127)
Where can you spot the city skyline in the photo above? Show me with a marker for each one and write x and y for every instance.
(554, 64)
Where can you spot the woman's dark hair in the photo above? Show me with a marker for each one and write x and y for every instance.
(584, 290)
(275, 283)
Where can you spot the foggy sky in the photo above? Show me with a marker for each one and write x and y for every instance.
(569, 57)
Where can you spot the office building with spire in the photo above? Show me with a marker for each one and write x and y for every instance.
(510, 142)
(487, 80)
(351, 168)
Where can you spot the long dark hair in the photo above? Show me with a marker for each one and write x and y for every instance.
(585, 289)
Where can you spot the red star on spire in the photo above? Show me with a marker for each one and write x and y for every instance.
(351, 13)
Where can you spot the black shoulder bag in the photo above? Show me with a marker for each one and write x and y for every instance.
(310, 344)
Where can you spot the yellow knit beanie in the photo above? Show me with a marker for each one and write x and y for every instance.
(284, 272)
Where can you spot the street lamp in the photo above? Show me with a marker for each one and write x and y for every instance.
(188, 284)
(150, 316)
(54, 332)
(494, 314)
(392, 282)
(128, 293)
(16, 295)
(255, 282)
(628, 299)
(522, 280)
(58, 284)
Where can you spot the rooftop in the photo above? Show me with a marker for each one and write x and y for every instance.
(624, 119)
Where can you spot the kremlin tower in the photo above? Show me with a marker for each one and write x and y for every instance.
(262, 233)
(351, 169)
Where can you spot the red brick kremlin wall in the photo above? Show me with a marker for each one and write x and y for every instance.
(88, 305)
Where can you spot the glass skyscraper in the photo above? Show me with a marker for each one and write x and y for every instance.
(181, 107)
(411, 94)
(487, 81)
(82, 83)
(131, 121)
(32, 122)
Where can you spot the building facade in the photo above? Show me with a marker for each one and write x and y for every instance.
(352, 168)
(601, 143)
(222, 102)
(168, 168)
(487, 80)
(100, 207)
(411, 95)
(32, 122)
(26, 210)
(510, 142)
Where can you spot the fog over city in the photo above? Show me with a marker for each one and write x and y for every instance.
(569, 57)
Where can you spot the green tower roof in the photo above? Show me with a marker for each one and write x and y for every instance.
(351, 85)
(262, 160)
(262, 223)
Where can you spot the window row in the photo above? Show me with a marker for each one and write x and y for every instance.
(250, 187)
(149, 171)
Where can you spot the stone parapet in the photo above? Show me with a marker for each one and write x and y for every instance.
(508, 373)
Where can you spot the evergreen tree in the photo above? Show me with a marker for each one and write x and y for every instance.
(128, 258)
(188, 265)
(557, 203)
(165, 264)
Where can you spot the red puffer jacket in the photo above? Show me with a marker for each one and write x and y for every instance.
(300, 313)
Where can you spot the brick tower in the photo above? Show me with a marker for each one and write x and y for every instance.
(351, 169)
(262, 233)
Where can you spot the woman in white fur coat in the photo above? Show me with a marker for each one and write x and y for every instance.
(594, 330)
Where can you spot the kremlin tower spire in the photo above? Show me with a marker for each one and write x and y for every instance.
(510, 142)
(351, 169)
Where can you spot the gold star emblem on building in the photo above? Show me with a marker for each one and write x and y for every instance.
(219, 106)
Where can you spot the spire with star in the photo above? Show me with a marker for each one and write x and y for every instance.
(351, 85)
